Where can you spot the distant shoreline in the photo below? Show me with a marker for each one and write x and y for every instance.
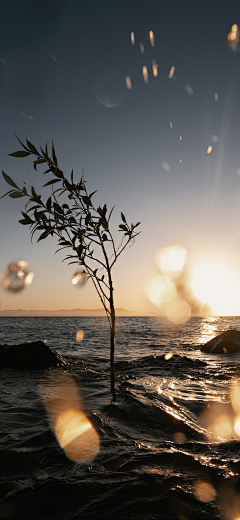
(72, 312)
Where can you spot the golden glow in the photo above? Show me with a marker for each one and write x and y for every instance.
(233, 33)
(235, 396)
(168, 355)
(128, 82)
(222, 427)
(132, 38)
(179, 437)
(154, 68)
(218, 286)
(233, 37)
(29, 278)
(209, 150)
(145, 74)
(79, 279)
(236, 426)
(73, 430)
(204, 491)
(151, 39)
(172, 72)
(171, 260)
(79, 335)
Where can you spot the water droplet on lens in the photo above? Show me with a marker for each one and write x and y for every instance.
(189, 89)
(79, 279)
(128, 82)
(209, 150)
(172, 73)
(166, 167)
(145, 74)
(233, 37)
(151, 39)
(16, 276)
(214, 138)
(154, 68)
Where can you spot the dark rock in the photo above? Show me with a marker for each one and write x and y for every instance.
(29, 355)
(227, 342)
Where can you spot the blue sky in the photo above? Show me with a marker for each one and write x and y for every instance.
(59, 63)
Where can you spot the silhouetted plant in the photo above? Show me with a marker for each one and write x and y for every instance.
(79, 226)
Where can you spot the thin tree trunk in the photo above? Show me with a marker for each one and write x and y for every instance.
(112, 337)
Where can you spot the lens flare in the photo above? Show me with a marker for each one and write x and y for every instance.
(132, 38)
(79, 279)
(159, 290)
(235, 396)
(209, 150)
(79, 335)
(204, 491)
(171, 260)
(16, 276)
(170, 124)
(236, 426)
(141, 48)
(178, 310)
(73, 430)
(218, 286)
(168, 355)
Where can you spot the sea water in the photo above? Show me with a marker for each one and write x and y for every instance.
(169, 445)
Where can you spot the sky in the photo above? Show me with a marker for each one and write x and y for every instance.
(63, 69)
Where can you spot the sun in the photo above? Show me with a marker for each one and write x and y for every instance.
(218, 286)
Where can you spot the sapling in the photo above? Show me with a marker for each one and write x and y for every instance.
(78, 225)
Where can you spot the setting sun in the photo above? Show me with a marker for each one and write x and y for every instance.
(218, 286)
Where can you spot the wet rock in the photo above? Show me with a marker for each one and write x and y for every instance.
(30, 355)
(227, 342)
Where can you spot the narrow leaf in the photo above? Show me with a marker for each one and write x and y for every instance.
(23, 145)
(124, 228)
(93, 193)
(16, 195)
(123, 218)
(10, 191)
(9, 180)
(32, 148)
(24, 222)
(19, 154)
(54, 155)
